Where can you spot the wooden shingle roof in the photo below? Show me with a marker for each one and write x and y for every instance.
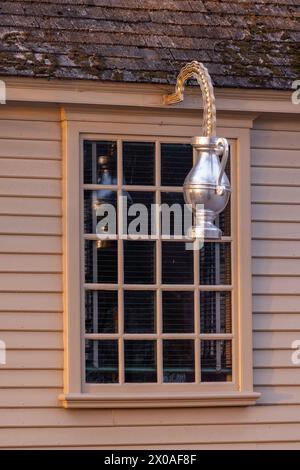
(246, 44)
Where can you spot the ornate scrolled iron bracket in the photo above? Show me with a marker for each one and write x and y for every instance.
(206, 187)
(200, 73)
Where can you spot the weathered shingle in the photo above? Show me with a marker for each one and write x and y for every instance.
(250, 44)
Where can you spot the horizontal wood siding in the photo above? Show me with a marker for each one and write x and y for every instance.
(276, 264)
(31, 305)
(30, 261)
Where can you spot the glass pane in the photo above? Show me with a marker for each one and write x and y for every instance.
(101, 311)
(176, 163)
(94, 211)
(215, 264)
(173, 224)
(140, 221)
(216, 361)
(100, 162)
(101, 264)
(178, 312)
(215, 312)
(88, 161)
(89, 212)
(140, 361)
(101, 361)
(228, 166)
(138, 163)
(177, 264)
(139, 262)
(178, 359)
(223, 221)
(139, 311)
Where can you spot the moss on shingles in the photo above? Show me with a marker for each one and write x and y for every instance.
(294, 51)
(239, 57)
(15, 38)
(92, 64)
(41, 65)
(118, 75)
(156, 76)
(257, 81)
(247, 45)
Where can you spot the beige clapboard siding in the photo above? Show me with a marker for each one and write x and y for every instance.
(241, 446)
(276, 321)
(151, 435)
(31, 378)
(273, 358)
(30, 187)
(275, 266)
(35, 225)
(274, 139)
(275, 213)
(30, 260)
(201, 447)
(33, 263)
(276, 249)
(276, 122)
(276, 394)
(276, 158)
(31, 301)
(275, 340)
(276, 285)
(31, 321)
(276, 230)
(275, 176)
(277, 376)
(26, 168)
(275, 194)
(33, 149)
(30, 206)
(191, 416)
(30, 282)
(17, 112)
(276, 303)
(109, 418)
(42, 244)
(30, 130)
(28, 398)
(32, 359)
(276, 262)
(18, 340)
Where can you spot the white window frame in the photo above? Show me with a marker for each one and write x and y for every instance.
(104, 124)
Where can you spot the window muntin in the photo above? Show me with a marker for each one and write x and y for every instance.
(186, 335)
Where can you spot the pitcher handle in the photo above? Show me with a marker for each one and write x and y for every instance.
(224, 147)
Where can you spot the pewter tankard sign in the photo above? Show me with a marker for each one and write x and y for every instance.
(206, 187)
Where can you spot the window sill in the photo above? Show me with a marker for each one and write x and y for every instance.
(87, 400)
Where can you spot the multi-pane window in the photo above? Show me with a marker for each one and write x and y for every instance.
(155, 311)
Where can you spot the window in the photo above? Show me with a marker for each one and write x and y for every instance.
(149, 323)
(155, 311)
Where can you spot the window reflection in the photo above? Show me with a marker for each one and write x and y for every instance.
(140, 361)
(178, 312)
(102, 361)
(179, 362)
(177, 263)
(142, 309)
(216, 361)
(139, 311)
